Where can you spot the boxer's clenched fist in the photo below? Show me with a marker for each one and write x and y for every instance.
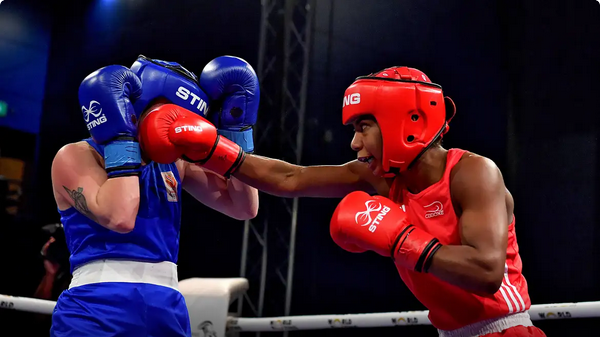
(362, 222)
(170, 132)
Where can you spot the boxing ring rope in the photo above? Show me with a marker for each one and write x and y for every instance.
(391, 319)
(27, 304)
(318, 322)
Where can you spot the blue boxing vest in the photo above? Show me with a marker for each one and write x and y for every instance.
(155, 237)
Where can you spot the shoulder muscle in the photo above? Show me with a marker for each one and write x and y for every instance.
(475, 180)
(75, 167)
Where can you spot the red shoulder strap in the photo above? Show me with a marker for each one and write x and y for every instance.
(454, 156)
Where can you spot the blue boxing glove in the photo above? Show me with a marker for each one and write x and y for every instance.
(106, 97)
(231, 82)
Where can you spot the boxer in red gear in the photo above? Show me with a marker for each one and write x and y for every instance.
(444, 216)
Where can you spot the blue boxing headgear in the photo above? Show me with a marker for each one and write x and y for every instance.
(169, 80)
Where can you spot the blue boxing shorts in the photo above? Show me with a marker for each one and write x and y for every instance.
(122, 298)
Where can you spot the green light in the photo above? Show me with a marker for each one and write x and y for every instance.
(3, 109)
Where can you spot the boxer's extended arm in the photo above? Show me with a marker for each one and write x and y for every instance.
(81, 182)
(228, 196)
(283, 179)
(478, 264)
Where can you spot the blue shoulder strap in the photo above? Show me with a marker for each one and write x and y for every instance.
(98, 148)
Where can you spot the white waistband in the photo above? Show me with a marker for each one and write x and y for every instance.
(489, 326)
(158, 273)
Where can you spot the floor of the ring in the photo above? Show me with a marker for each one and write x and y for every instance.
(32, 325)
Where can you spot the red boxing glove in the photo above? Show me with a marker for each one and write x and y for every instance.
(362, 222)
(170, 132)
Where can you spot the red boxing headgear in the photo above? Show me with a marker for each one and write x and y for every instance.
(411, 111)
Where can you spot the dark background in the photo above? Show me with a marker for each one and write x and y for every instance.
(522, 73)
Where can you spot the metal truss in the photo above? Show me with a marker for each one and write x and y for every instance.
(269, 239)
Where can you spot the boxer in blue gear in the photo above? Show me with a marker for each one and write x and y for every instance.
(232, 82)
(121, 214)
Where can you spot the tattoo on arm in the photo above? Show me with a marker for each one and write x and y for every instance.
(79, 202)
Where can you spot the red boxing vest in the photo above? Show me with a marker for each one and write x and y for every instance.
(451, 307)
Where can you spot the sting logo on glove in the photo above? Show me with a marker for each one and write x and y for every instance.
(364, 218)
(409, 246)
(190, 128)
(99, 118)
(94, 105)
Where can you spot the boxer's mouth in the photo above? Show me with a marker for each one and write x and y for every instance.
(366, 159)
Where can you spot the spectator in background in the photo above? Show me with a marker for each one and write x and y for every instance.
(57, 277)
(56, 264)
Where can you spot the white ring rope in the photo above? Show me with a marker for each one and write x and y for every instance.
(317, 322)
(390, 319)
(27, 304)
